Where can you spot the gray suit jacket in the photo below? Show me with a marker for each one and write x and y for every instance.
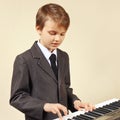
(34, 84)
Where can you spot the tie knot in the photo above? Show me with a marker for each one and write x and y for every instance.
(53, 57)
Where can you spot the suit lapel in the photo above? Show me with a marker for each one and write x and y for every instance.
(60, 65)
(42, 62)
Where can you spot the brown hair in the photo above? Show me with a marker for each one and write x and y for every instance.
(55, 12)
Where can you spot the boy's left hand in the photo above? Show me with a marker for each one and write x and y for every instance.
(78, 105)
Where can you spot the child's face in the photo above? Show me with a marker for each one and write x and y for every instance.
(52, 35)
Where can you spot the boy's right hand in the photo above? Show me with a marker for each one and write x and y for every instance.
(55, 109)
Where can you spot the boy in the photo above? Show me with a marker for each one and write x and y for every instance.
(41, 88)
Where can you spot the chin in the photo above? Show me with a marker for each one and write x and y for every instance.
(54, 47)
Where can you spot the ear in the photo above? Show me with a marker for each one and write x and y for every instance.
(38, 30)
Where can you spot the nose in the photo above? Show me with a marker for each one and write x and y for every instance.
(57, 37)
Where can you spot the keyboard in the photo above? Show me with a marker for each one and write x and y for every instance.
(107, 110)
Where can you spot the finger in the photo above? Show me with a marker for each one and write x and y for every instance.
(59, 115)
(63, 109)
(86, 107)
(92, 107)
(77, 107)
(89, 107)
(56, 111)
(65, 112)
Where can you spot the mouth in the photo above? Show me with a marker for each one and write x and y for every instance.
(55, 44)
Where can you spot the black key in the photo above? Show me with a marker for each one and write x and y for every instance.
(111, 107)
(85, 117)
(117, 103)
(102, 110)
(77, 118)
(93, 114)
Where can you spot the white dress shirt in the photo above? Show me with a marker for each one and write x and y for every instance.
(46, 52)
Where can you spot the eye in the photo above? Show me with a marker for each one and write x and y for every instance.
(62, 34)
(52, 32)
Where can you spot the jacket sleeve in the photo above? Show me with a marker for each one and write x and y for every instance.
(21, 91)
(71, 97)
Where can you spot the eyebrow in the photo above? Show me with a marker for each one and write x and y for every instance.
(54, 31)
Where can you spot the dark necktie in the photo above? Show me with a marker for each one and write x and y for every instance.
(53, 64)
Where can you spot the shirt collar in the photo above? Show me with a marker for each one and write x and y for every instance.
(45, 51)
